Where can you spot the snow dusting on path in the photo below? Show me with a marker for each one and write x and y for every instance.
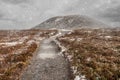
(47, 50)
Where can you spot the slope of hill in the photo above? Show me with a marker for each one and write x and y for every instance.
(71, 21)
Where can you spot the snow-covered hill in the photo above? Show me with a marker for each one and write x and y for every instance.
(70, 21)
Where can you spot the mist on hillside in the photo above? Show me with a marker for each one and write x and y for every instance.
(24, 14)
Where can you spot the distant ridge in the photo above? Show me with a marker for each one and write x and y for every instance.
(70, 21)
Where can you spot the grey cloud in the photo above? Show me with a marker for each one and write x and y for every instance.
(15, 1)
(111, 15)
(1, 15)
(29, 13)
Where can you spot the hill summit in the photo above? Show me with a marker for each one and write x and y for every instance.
(70, 22)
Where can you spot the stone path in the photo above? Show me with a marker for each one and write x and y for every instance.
(48, 64)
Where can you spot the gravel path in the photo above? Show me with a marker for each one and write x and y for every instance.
(48, 64)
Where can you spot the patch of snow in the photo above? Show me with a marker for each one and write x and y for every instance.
(79, 39)
(74, 69)
(69, 57)
(72, 39)
(20, 41)
(30, 42)
(59, 34)
(63, 38)
(58, 19)
(40, 38)
(114, 50)
(11, 43)
(51, 33)
(62, 47)
(23, 39)
(46, 55)
(108, 37)
(101, 37)
(70, 32)
(20, 50)
(46, 46)
(77, 78)
(88, 59)
(76, 51)
(70, 21)
(80, 77)
(65, 30)
(88, 31)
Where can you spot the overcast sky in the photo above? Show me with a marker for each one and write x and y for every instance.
(23, 14)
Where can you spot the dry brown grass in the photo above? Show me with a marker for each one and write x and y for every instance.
(94, 53)
(15, 57)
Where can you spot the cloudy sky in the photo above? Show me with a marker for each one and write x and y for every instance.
(23, 14)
